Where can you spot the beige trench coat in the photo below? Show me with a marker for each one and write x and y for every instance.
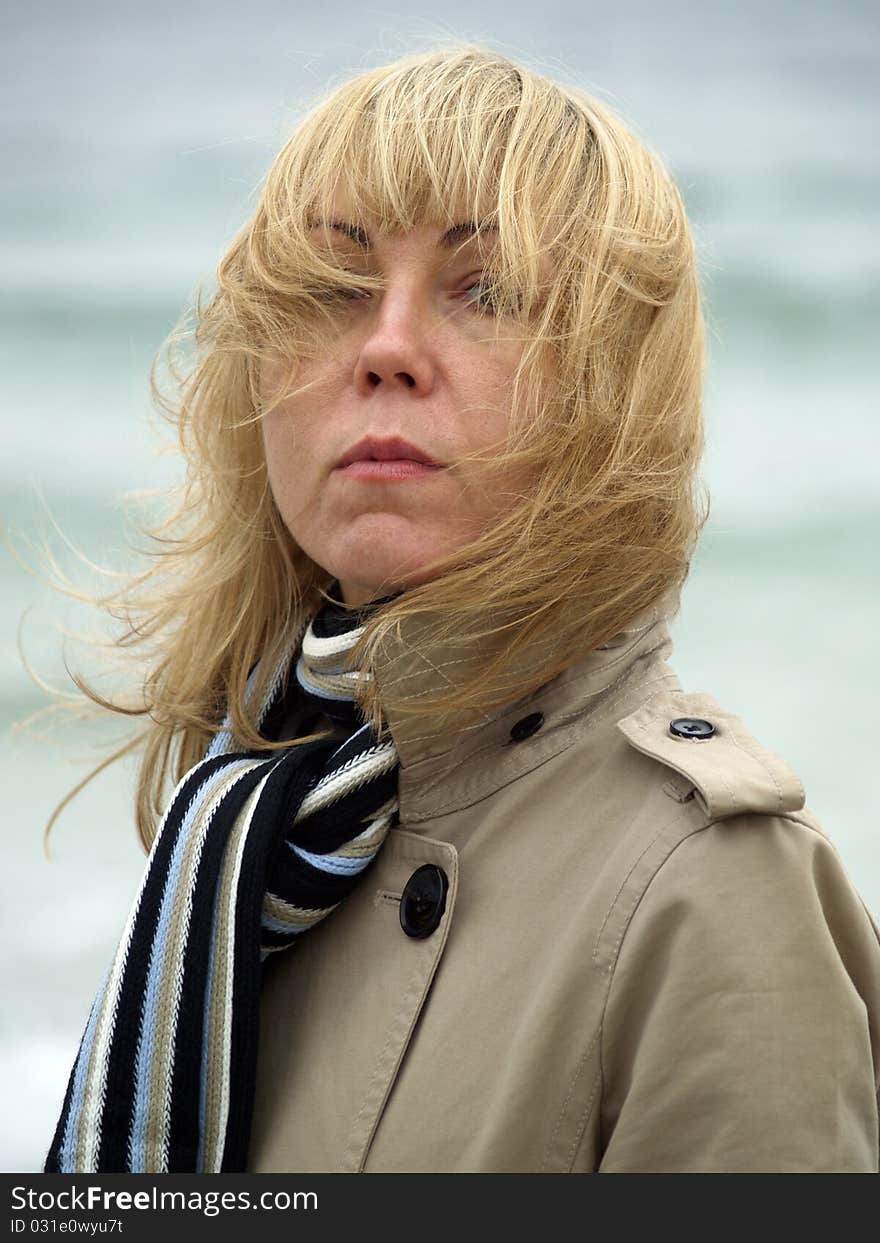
(650, 957)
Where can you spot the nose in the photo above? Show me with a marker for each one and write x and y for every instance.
(397, 351)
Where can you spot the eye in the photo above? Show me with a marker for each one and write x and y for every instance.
(352, 295)
(484, 298)
(342, 293)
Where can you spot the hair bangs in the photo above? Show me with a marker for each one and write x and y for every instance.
(423, 145)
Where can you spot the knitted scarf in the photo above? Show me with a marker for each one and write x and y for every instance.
(254, 849)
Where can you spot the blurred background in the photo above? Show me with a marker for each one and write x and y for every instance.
(135, 137)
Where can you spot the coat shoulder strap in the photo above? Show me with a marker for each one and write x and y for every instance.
(713, 755)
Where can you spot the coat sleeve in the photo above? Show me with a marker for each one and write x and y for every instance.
(742, 1026)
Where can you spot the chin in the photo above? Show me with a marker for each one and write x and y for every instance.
(361, 581)
(376, 554)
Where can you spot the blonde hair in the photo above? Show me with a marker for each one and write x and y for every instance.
(594, 267)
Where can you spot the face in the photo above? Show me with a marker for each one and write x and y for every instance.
(417, 362)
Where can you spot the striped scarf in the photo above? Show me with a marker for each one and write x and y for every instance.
(254, 849)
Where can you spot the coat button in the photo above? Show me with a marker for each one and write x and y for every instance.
(691, 727)
(527, 726)
(423, 901)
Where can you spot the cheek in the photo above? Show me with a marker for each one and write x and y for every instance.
(280, 453)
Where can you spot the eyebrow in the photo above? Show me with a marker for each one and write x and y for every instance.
(458, 232)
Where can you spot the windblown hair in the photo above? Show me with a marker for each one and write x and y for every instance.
(593, 268)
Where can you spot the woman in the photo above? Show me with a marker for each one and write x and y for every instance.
(443, 429)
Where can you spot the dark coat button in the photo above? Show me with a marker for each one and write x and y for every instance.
(691, 727)
(423, 901)
(527, 726)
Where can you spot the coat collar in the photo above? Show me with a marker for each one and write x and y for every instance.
(449, 761)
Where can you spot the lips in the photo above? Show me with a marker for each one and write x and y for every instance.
(385, 449)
